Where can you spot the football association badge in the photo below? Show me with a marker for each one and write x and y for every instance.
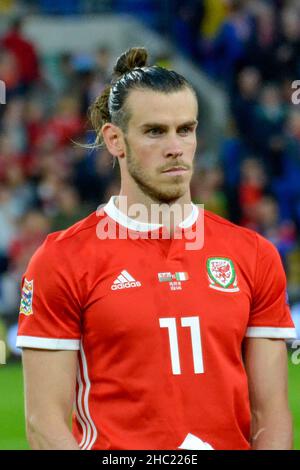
(26, 298)
(222, 275)
(174, 279)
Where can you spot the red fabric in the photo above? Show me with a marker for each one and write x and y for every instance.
(25, 54)
(128, 394)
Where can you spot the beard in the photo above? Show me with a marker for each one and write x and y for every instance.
(160, 191)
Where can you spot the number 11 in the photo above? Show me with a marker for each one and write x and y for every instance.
(194, 324)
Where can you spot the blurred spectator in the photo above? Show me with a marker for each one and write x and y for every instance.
(186, 25)
(22, 190)
(103, 62)
(9, 73)
(65, 124)
(262, 41)
(34, 121)
(287, 52)
(25, 54)
(28, 236)
(66, 73)
(96, 81)
(69, 209)
(8, 156)
(268, 128)
(32, 230)
(12, 125)
(230, 44)
(214, 14)
(281, 233)
(9, 212)
(251, 190)
(244, 102)
(93, 174)
(207, 189)
(290, 187)
(50, 184)
(9, 295)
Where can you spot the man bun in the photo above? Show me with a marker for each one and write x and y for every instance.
(135, 57)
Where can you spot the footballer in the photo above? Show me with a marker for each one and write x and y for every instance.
(148, 343)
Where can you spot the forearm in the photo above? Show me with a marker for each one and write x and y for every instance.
(51, 436)
(272, 430)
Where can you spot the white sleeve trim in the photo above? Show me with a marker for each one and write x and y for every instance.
(271, 332)
(48, 343)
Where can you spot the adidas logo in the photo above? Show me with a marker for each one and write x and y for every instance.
(125, 281)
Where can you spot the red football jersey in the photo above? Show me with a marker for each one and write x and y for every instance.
(158, 327)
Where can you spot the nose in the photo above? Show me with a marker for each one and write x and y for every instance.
(173, 147)
(174, 153)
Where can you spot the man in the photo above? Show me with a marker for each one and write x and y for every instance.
(165, 342)
(25, 54)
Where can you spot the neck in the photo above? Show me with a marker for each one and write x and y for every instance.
(144, 208)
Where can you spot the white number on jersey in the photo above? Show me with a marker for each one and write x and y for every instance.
(194, 324)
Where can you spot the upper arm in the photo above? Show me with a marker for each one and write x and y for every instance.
(49, 383)
(49, 334)
(269, 311)
(266, 367)
(51, 303)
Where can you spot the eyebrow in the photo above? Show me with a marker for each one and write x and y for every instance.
(150, 125)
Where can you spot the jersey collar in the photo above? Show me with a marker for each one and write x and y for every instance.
(114, 213)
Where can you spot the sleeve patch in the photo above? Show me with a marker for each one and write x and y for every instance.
(26, 298)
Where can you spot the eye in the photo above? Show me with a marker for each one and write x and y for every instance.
(155, 131)
(185, 130)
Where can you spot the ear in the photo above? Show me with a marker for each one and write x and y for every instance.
(114, 140)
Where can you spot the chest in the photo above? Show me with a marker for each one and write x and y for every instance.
(139, 293)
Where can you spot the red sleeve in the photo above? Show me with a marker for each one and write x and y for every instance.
(50, 313)
(270, 314)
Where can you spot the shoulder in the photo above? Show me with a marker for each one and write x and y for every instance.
(219, 224)
(63, 244)
(80, 229)
(242, 238)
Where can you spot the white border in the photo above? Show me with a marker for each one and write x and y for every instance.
(48, 343)
(223, 289)
(91, 437)
(270, 332)
(114, 213)
(191, 219)
(78, 407)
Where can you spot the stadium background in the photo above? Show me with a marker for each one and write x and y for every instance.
(242, 56)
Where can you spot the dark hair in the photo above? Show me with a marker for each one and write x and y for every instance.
(17, 23)
(130, 72)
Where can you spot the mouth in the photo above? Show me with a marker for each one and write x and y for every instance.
(175, 170)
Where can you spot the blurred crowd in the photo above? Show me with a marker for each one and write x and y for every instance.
(251, 49)
(48, 181)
